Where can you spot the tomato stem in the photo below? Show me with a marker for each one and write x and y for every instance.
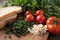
(55, 22)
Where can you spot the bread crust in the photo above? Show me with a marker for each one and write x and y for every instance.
(4, 22)
(9, 16)
(10, 13)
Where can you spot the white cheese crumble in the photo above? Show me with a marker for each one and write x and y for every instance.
(38, 29)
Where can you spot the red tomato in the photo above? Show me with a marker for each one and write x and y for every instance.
(53, 25)
(40, 19)
(39, 12)
(28, 12)
(30, 18)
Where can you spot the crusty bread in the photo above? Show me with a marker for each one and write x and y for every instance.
(5, 21)
(9, 11)
(8, 14)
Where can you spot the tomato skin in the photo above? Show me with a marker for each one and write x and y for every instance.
(40, 19)
(53, 28)
(27, 12)
(30, 18)
(39, 12)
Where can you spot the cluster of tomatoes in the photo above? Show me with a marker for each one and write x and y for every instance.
(53, 24)
(40, 18)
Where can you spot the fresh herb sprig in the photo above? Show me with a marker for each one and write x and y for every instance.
(18, 27)
(50, 7)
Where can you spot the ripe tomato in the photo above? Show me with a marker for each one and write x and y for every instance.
(30, 18)
(53, 25)
(27, 12)
(41, 19)
(39, 12)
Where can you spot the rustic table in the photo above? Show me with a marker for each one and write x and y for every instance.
(28, 36)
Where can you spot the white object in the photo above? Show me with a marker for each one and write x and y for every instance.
(38, 29)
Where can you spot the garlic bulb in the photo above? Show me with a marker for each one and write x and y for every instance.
(38, 29)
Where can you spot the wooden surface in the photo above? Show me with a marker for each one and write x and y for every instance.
(29, 36)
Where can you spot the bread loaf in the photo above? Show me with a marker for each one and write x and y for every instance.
(8, 14)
